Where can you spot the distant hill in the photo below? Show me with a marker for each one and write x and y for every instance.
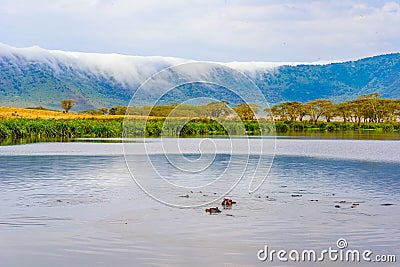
(337, 81)
(37, 77)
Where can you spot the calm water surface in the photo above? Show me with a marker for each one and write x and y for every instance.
(75, 204)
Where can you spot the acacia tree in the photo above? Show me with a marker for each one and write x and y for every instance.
(369, 103)
(67, 104)
(302, 111)
(117, 110)
(329, 111)
(357, 109)
(103, 110)
(316, 108)
(278, 110)
(396, 109)
(294, 109)
(288, 110)
(366, 108)
(344, 111)
(218, 109)
(246, 111)
(387, 110)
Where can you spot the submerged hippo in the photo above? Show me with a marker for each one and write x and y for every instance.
(227, 202)
(213, 210)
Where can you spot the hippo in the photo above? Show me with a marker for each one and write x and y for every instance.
(227, 202)
(213, 210)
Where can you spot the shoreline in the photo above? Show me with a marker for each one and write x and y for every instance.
(24, 130)
(303, 135)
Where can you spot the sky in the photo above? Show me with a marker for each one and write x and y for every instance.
(208, 30)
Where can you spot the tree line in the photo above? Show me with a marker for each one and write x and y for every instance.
(211, 110)
(370, 108)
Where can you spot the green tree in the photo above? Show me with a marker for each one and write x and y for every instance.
(387, 110)
(294, 109)
(117, 110)
(67, 104)
(218, 109)
(369, 104)
(344, 111)
(104, 111)
(357, 109)
(316, 108)
(246, 111)
(278, 110)
(329, 110)
(290, 110)
(396, 113)
(161, 111)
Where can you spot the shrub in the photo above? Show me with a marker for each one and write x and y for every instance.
(330, 127)
(4, 131)
(388, 127)
(281, 127)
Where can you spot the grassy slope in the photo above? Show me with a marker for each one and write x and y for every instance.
(6, 112)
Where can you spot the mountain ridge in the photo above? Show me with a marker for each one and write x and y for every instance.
(38, 77)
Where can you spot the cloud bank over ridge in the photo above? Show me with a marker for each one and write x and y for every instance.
(127, 70)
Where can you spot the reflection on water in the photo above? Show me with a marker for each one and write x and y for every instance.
(84, 210)
(23, 220)
(28, 140)
(349, 135)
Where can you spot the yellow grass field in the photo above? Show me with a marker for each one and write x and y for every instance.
(12, 113)
(9, 112)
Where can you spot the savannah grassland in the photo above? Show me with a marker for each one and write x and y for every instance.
(17, 123)
(32, 123)
(7, 113)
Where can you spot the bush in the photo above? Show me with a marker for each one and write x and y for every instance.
(21, 128)
(330, 127)
(252, 126)
(282, 127)
(369, 126)
(322, 125)
(92, 112)
(346, 126)
(4, 131)
(388, 127)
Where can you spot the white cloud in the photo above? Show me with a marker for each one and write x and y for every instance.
(221, 30)
(128, 70)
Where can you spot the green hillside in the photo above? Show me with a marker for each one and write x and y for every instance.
(26, 82)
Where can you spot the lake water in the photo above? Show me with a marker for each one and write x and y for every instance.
(76, 204)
